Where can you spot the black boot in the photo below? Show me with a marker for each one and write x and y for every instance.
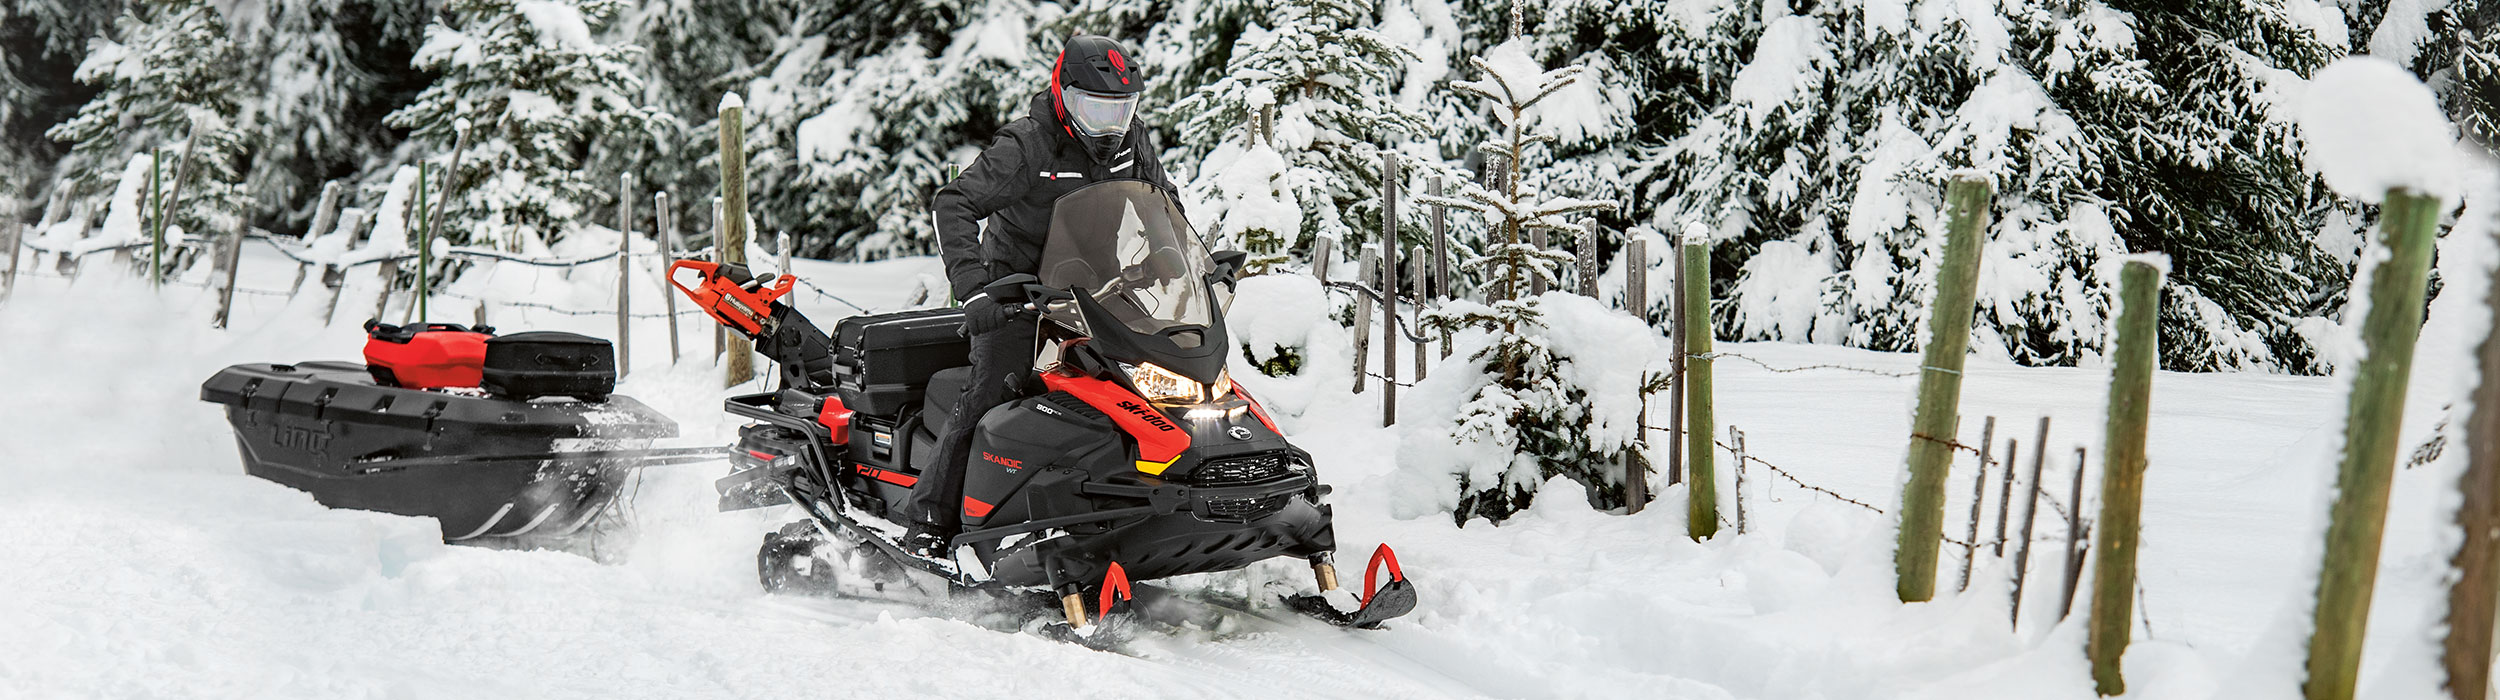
(930, 541)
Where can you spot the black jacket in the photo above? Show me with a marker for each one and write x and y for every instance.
(1027, 167)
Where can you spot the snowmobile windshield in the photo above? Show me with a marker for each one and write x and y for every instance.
(1098, 114)
(1124, 243)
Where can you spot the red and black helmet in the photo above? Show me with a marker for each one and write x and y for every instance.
(1095, 87)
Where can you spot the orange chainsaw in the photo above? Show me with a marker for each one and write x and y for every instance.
(751, 305)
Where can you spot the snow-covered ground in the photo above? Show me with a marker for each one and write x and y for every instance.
(136, 559)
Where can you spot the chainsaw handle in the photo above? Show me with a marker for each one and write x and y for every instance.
(703, 270)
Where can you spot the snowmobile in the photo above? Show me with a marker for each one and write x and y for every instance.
(1137, 457)
(510, 441)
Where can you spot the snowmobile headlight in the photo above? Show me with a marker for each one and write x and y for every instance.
(1161, 385)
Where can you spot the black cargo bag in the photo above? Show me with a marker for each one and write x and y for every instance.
(524, 366)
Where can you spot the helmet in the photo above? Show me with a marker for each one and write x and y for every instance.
(1094, 88)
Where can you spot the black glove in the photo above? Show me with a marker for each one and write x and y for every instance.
(982, 315)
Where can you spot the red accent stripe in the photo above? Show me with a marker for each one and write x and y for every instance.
(762, 455)
(1256, 409)
(975, 508)
(1155, 443)
(888, 477)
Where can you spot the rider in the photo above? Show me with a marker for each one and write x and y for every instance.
(1082, 129)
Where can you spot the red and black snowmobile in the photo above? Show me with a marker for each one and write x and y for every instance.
(1136, 459)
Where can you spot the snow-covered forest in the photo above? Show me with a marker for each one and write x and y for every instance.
(1810, 138)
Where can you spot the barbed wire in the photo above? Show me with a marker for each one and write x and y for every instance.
(1381, 377)
(1769, 366)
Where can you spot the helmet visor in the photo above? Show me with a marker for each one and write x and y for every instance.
(1098, 114)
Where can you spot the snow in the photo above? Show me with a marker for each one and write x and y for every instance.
(125, 217)
(1789, 52)
(147, 564)
(2371, 127)
(559, 23)
(730, 101)
(1779, 292)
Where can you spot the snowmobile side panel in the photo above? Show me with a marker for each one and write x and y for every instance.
(1015, 441)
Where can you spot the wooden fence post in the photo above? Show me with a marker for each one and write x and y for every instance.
(1978, 501)
(1636, 298)
(2074, 536)
(1389, 288)
(1537, 237)
(1363, 315)
(1676, 367)
(228, 264)
(2122, 472)
(2005, 496)
(2408, 226)
(156, 217)
(720, 333)
(733, 239)
(424, 248)
(1323, 249)
(2474, 598)
(1940, 391)
(2031, 515)
(325, 218)
(1588, 259)
(1736, 459)
(333, 276)
(1702, 516)
(624, 274)
(1440, 246)
(442, 203)
(666, 238)
(1421, 277)
(11, 234)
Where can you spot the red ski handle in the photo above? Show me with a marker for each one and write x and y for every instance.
(1113, 581)
(1382, 555)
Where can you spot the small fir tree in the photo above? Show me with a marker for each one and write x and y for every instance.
(1527, 422)
(165, 77)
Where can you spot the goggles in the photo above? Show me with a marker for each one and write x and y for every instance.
(1098, 114)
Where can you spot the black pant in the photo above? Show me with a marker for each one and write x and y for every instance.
(1001, 359)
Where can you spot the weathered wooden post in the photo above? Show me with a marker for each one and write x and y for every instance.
(325, 218)
(334, 276)
(2408, 226)
(1635, 299)
(1323, 250)
(1588, 259)
(1440, 244)
(624, 273)
(442, 203)
(2031, 515)
(733, 239)
(2122, 471)
(229, 258)
(2074, 535)
(720, 333)
(2474, 597)
(1363, 315)
(1388, 287)
(2005, 496)
(1702, 518)
(1736, 458)
(666, 237)
(1421, 277)
(1676, 367)
(10, 232)
(1536, 237)
(1940, 391)
(781, 245)
(156, 217)
(1978, 501)
(425, 251)
(390, 265)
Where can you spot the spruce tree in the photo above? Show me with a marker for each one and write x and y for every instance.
(166, 80)
(1323, 83)
(540, 90)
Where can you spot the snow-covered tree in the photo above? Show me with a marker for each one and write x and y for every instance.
(1528, 419)
(541, 90)
(1322, 84)
(166, 82)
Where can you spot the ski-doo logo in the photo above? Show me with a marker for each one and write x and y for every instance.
(1002, 461)
(1152, 417)
(313, 442)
